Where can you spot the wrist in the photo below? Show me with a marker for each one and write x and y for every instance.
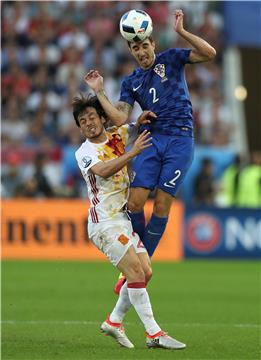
(182, 32)
(130, 154)
(100, 91)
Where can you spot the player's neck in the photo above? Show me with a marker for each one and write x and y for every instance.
(98, 139)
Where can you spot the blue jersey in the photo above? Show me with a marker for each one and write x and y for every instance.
(163, 90)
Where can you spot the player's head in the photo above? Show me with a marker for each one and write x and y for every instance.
(89, 115)
(143, 51)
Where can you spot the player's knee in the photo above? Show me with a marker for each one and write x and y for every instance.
(134, 205)
(161, 208)
(137, 273)
(148, 274)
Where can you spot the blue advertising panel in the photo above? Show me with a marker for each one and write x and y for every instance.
(224, 233)
(242, 23)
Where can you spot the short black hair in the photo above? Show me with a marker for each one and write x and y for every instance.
(80, 103)
(150, 38)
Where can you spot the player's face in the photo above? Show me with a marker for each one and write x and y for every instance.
(91, 124)
(144, 53)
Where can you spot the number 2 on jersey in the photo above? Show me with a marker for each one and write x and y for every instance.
(153, 92)
(172, 183)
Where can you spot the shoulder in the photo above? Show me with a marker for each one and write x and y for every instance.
(176, 55)
(117, 129)
(82, 150)
(120, 132)
(112, 130)
(129, 78)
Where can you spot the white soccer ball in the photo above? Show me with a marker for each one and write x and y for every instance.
(135, 25)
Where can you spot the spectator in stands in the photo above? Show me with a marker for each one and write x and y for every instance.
(11, 177)
(249, 192)
(38, 185)
(230, 182)
(204, 185)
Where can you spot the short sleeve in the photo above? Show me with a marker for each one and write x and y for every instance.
(126, 93)
(86, 158)
(180, 56)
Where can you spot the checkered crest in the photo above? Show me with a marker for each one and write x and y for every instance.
(160, 70)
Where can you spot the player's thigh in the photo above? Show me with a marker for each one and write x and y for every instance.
(131, 266)
(146, 168)
(137, 198)
(176, 162)
(114, 238)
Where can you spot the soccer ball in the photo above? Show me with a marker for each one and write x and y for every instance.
(135, 25)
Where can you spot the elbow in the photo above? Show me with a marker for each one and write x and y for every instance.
(212, 53)
(103, 174)
(122, 120)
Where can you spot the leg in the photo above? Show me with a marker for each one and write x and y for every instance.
(177, 158)
(146, 168)
(136, 202)
(131, 266)
(135, 263)
(140, 299)
(158, 221)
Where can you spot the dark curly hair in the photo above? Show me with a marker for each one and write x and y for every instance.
(80, 103)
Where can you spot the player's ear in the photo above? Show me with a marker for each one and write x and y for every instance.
(103, 120)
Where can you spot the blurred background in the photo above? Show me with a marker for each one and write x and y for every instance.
(47, 47)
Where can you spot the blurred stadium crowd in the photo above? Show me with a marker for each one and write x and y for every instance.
(47, 47)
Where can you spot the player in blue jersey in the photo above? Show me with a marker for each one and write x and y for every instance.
(158, 85)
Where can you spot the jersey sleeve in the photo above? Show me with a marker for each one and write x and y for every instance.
(126, 93)
(180, 56)
(86, 159)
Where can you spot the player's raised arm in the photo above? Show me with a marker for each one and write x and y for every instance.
(117, 114)
(111, 167)
(201, 50)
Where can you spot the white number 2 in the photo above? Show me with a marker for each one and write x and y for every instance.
(172, 183)
(153, 92)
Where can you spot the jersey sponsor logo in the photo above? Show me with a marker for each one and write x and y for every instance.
(136, 88)
(86, 161)
(160, 70)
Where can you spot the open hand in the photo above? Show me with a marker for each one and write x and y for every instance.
(141, 143)
(94, 80)
(179, 21)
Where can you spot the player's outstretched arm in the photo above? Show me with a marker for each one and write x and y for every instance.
(201, 50)
(111, 167)
(118, 115)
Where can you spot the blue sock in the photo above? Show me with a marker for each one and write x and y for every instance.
(138, 222)
(153, 233)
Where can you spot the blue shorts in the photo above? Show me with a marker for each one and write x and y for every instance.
(164, 164)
